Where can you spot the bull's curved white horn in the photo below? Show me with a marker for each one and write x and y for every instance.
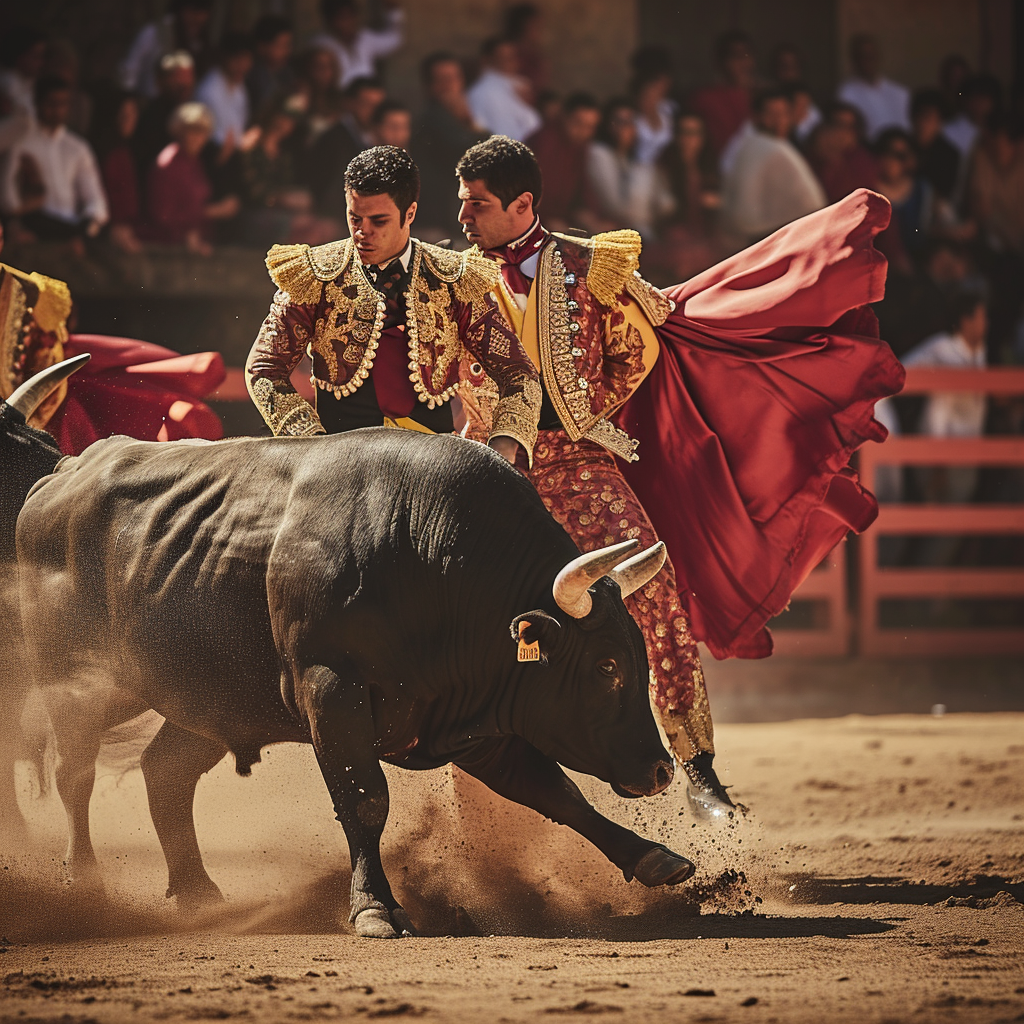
(39, 387)
(639, 570)
(573, 582)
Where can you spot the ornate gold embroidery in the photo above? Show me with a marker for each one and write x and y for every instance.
(516, 416)
(286, 413)
(656, 305)
(302, 271)
(363, 330)
(614, 257)
(430, 326)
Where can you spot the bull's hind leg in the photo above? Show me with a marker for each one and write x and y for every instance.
(80, 717)
(518, 771)
(172, 765)
(343, 737)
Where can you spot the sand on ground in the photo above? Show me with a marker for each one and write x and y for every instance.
(877, 875)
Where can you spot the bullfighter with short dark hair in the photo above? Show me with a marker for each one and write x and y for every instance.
(388, 322)
(745, 423)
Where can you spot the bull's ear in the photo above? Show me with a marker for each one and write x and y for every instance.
(536, 627)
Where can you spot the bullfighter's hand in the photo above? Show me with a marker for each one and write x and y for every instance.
(507, 447)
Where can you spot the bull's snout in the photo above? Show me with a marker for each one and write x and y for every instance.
(657, 781)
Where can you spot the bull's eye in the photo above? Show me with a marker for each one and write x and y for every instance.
(608, 668)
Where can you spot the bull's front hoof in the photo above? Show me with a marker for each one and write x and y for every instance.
(661, 866)
(376, 923)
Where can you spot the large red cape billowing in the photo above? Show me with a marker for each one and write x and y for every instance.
(135, 388)
(769, 371)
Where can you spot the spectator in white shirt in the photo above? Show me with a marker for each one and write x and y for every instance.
(769, 183)
(224, 92)
(497, 98)
(627, 193)
(356, 47)
(952, 414)
(884, 103)
(982, 97)
(22, 54)
(656, 113)
(186, 27)
(52, 183)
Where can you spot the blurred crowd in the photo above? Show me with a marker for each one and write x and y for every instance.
(245, 140)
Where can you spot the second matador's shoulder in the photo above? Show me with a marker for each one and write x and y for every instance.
(301, 270)
(470, 274)
(612, 259)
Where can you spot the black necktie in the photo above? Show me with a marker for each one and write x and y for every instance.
(390, 281)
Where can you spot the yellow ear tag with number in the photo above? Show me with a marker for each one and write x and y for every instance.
(527, 652)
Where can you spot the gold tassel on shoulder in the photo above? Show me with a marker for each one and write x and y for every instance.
(301, 271)
(479, 276)
(614, 260)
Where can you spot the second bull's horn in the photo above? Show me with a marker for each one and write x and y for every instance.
(639, 570)
(39, 387)
(572, 584)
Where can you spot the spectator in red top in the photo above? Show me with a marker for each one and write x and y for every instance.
(178, 206)
(725, 107)
(561, 151)
(837, 153)
(116, 117)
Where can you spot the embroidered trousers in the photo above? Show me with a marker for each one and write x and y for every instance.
(583, 488)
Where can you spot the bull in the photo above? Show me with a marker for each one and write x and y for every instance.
(354, 592)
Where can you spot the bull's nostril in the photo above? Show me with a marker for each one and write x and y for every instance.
(664, 775)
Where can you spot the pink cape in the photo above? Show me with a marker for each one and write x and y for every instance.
(769, 371)
(135, 388)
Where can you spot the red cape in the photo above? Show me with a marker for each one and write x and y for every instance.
(769, 371)
(135, 388)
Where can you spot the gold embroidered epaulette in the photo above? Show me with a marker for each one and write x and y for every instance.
(614, 269)
(471, 274)
(301, 270)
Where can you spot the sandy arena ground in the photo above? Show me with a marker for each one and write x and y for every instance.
(878, 876)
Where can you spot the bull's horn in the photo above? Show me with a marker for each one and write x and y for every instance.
(38, 388)
(573, 582)
(639, 570)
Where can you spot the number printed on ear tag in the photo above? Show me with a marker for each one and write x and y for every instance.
(527, 652)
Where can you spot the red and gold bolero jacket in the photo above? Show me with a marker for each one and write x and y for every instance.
(327, 308)
(589, 326)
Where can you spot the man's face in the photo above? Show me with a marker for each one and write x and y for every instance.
(178, 84)
(377, 228)
(345, 23)
(446, 80)
(275, 53)
(776, 117)
(581, 125)
(927, 125)
(739, 64)
(505, 59)
(484, 222)
(193, 21)
(364, 103)
(395, 129)
(237, 66)
(55, 109)
(866, 59)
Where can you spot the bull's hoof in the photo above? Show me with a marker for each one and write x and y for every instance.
(377, 923)
(661, 866)
(196, 899)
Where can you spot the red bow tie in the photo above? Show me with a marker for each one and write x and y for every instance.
(510, 256)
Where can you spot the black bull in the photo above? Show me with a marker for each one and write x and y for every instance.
(354, 592)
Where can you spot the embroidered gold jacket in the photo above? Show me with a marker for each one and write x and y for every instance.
(33, 313)
(327, 308)
(589, 326)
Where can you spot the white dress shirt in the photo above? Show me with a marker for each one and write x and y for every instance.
(139, 67)
(630, 193)
(229, 104)
(953, 413)
(70, 176)
(496, 105)
(360, 59)
(768, 185)
(884, 104)
(649, 141)
(962, 132)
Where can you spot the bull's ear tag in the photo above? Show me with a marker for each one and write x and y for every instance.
(527, 652)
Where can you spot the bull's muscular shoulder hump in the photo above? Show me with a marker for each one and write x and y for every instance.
(470, 274)
(301, 270)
